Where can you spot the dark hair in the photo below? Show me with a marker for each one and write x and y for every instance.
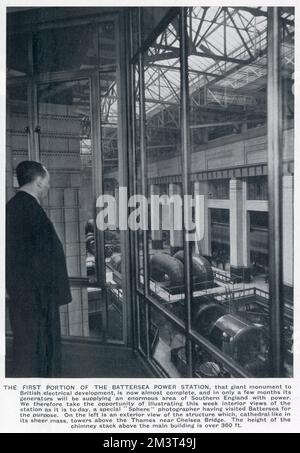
(28, 170)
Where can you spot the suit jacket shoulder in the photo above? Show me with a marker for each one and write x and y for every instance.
(34, 253)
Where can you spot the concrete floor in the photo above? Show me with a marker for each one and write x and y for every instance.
(82, 359)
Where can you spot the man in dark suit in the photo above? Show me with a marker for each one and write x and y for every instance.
(36, 276)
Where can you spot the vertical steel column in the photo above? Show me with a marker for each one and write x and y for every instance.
(97, 169)
(275, 190)
(97, 162)
(124, 112)
(185, 154)
(97, 178)
(144, 170)
(131, 127)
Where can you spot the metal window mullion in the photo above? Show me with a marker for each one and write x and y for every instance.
(143, 150)
(69, 75)
(60, 23)
(274, 111)
(133, 154)
(185, 156)
(97, 184)
(153, 366)
(131, 125)
(123, 114)
(143, 147)
(195, 337)
(230, 365)
(164, 311)
(143, 46)
(138, 322)
(97, 168)
(64, 242)
(78, 233)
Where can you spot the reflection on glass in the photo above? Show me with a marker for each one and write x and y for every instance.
(17, 142)
(112, 248)
(72, 48)
(107, 43)
(17, 55)
(227, 74)
(134, 19)
(167, 345)
(66, 150)
(67, 48)
(162, 105)
(228, 177)
(151, 18)
(237, 323)
(166, 282)
(138, 178)
(228, 112)
(206, 366)
(17, 133)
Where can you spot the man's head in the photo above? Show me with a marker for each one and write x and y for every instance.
(34, 177)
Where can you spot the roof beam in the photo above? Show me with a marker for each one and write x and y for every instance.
(193, 71)
(258, 12)
(239, 33)
(246, 28)
(161, 57)
(213, 22)
(175, 54)
(160, 101)
(219, 124)
(170, 86)
(224, 58)
(205, 9)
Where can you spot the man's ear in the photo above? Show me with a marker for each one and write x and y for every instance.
(38, 181)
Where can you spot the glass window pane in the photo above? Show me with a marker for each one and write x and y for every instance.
(67, 48)
(112, 246)
(17, 133)
(134, 20)
(237, 323)
(107, 43)
(162, 105)
(66, 151)
(81, 47)
(17, 141)
(151, 17)
(138, 177)
(206, 366)
(17, 55)
(167, 345)
(228, 177)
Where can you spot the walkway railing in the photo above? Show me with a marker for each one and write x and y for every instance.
(232, 294)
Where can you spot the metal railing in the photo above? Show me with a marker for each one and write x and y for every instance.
(233, 294)
(224, 278)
